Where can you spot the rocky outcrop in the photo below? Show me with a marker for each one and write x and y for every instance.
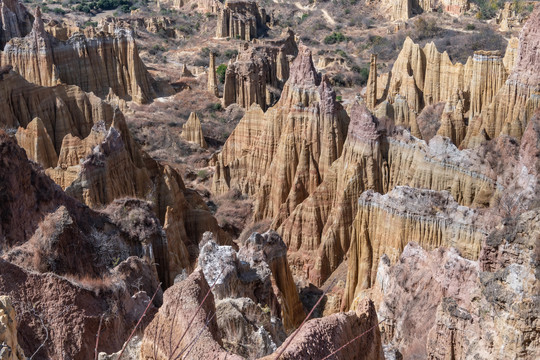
(99, 162)
(317, 231)
(41, 226)
(259, 73)
(62, 109)
(10, 349)
(351, 335)
(481, 309)
(371, 90)
(94, 64)
(40, 231)
(250, 273)
(321, 204)
(513, 104)
(386, 223)
(47, 305)
(512, 16)
(301, 136)
(498, 95)
(192, 131)
(37, 143)
(185, 325)
(242, 19)
(15, 21)
(405, 9)
(212, 77)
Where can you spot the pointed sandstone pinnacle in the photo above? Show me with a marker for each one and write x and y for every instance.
(212, 77)
(39, 27)
(185, 72)
(371, 92)
(35, 140)
(192, 131)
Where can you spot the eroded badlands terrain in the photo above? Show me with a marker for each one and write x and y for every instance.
(255, 179)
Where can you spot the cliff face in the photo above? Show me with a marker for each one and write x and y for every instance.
(15, 21)
(328, 212)
(384, 224)
(313, 207)
(242, 19)
(37, 143)
(405, 9)
(498, 95)
(99, 162)
(259, 73)
(95, 64)
(40, 229)
(301, 137)
(514, 103)
(464, 297)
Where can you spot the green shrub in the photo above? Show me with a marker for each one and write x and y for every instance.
(220, 72)
(470, 27)
(335, 37)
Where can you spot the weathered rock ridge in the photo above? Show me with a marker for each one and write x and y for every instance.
(242, 19)
(405, 9)
(478, 309)
(281, 156)
(487, 96)
(94, 64)
(385, 224)
(98, 161)
(15, 21)
(259, 73)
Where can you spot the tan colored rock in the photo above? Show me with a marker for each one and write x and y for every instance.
(371, 92)
(512, 17)
(241, 19)
(461, 297)
(98, 161)
(270, 249)
(8, 331)
(386, 223)
(511, 54)
(290, 149)
(212, 77)
(115, 62)
(515, 102)
(259, 73)
(192, 131)
(489, 75)
(405, 9)
(37, 143)
(423, 77)
(62, 109)
(453, 124)
(317, 231)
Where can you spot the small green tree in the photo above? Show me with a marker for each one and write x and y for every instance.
(220, 72)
